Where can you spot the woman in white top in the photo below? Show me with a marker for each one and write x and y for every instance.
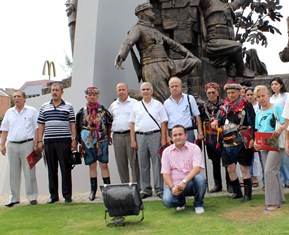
(279, 95)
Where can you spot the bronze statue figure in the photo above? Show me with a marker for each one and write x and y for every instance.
(221, 47)
(71, 10)
(284, 55)
(155, 64)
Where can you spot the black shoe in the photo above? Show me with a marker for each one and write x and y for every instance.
(92, 195)
(53, 200)
(11, 204)
(68, 200)
(236, 195)
(216, 189)
(230, 188)
(160, 195)
(33, 202)
(144, 195)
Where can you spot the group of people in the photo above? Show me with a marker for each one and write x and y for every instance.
(140, 129)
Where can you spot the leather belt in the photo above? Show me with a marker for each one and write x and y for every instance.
(121, 132)
(21, 142)
(147, 133)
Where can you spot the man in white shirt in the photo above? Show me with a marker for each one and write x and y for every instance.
(124, 154)
(177, 107)
(148, 133)
(19, 127)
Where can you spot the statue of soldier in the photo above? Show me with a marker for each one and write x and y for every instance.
(180, 20)
(71, 10)
(284, 55)
(221, 47)
(155, 64)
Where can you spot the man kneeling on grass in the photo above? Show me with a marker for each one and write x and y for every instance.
(182, 163)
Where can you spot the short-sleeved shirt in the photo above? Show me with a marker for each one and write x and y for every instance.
(20, 126)
(57, 120)
(263, 118)
(285, 113)
(178, 163)
(121, 113)
(179, 113)
(143, 121)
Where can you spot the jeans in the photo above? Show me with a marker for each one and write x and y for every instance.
(195, 187)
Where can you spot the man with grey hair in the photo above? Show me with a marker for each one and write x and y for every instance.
(155, 65)
(148, 133)
(19, 127)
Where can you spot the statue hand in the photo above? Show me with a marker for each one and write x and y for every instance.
(69, 9)
(189, 55)
(118, 62)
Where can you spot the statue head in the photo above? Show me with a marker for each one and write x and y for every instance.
(143, 7)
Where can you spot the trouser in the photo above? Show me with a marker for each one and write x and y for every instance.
(148, 151)
(274, 194)
(59, 152)
(124, 155)
(17, 154)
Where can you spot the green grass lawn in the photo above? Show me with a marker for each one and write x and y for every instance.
(222, 216)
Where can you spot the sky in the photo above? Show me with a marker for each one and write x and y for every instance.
(34, 31)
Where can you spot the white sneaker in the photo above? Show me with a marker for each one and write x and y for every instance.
(199, 210)
(180, 208)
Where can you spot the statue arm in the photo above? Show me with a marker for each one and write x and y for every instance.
(239, 3)
(126, 46)
(177, 47)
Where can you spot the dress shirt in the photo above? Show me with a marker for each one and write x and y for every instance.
(121, 113)
(142, 120)
(179, 163)
(179, 113)
(20, 126)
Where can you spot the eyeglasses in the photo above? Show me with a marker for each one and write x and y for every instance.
(211, 92)
(92, 93)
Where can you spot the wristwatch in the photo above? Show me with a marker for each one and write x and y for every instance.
(184, 181)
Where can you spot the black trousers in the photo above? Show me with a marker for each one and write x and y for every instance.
(59, 152)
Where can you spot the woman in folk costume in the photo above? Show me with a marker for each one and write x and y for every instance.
(209, 111)
(93, 124)
(236, 114)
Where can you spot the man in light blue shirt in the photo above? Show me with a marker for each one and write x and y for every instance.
(177, 107)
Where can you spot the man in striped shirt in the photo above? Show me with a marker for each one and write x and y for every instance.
(57, 129)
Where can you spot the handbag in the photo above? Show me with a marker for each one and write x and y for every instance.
(75, 159)
(281, 138)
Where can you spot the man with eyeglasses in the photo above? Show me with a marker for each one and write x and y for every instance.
(179, 107)
(93, 125)
(210, 111)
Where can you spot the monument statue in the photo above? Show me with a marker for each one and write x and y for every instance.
(71, 11)
(156, 66)
(218, 30)
(254, 63)
(284, 55)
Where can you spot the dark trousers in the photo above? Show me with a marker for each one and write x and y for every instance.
(59, 152)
